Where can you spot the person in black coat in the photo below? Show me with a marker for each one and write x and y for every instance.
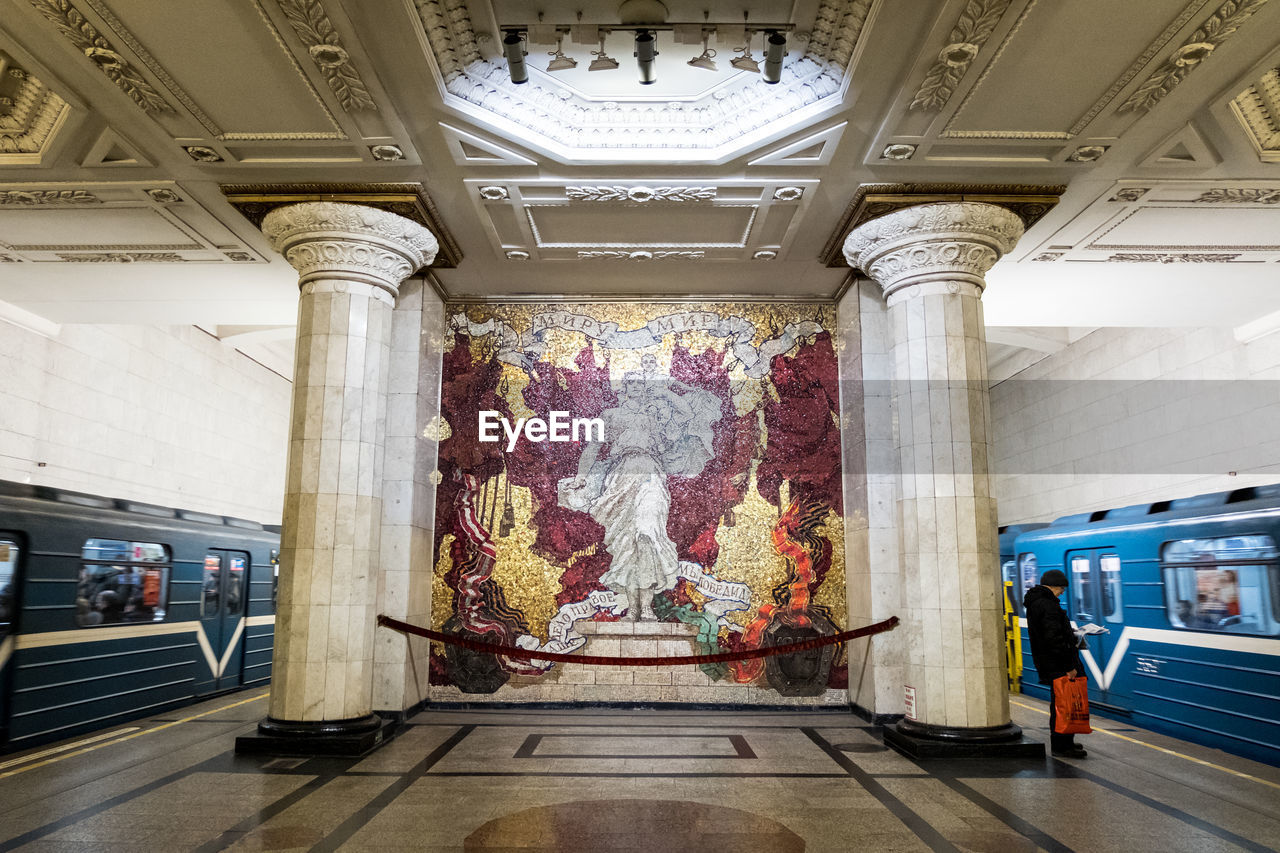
(1053, 649)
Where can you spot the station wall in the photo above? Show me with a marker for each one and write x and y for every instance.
(1125, 416)
(164, 415)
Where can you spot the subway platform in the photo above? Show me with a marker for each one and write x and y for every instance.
(579, 781)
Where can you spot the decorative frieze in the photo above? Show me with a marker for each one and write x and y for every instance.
(1172, 258)
(1196, 48)
(85, 37)
(310, 21)
(975, 25)
(1258, 108)
(1248, 195)
(32, 113)
(641, 195)
(622, 255)
(123, 258)
(33, 198)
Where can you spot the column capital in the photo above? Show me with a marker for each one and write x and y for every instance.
(349, 242)
(951, 242)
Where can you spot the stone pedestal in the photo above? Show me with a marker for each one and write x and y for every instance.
(930, 261)
(351, 261)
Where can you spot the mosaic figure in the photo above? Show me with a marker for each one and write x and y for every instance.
(660, 428)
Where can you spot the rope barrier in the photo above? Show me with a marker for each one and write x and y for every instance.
(517, 653)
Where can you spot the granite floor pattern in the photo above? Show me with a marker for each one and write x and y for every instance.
(605, 780)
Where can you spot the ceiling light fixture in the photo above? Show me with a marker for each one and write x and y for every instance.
(513, 47)
(775, 50)
(602, 61)
(646, 53)
(704, 59)
(745, 62)
(560, 62)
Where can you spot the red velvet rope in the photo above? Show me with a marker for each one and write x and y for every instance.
(608, 660)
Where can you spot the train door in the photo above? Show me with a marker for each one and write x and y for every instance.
(10, 602)
(224, 588)
(1094, 597)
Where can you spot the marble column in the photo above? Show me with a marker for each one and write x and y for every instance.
(351, 261)
(930, 260)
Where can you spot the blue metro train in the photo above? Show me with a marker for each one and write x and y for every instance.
(1190, 592)
(112, 610)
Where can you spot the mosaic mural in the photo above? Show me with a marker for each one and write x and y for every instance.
(657, 463)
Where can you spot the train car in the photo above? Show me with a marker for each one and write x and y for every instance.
(112, 610)
(1008, 534)
(1189, 591)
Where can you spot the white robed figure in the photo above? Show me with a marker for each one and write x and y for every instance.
(660, 428)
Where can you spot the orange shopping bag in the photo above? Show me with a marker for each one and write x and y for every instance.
(1071, 705)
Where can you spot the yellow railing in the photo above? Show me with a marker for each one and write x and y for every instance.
(1012, 640)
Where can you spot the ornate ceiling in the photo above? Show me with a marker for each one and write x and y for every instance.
(122, 121)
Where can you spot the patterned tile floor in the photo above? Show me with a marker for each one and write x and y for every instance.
(625, 781)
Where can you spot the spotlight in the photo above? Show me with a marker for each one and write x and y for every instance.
(514, 49)
(560, 62)
(602, 62)
(704, 60)
(646, 50)
(775, 49)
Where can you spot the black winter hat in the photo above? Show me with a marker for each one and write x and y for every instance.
(1053, 577)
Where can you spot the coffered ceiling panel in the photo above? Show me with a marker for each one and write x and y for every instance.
(153, 222)
(1023, 91)
(554, 220)
(1171, 223)
(1020, 82)
(263, 94)
(269, 81)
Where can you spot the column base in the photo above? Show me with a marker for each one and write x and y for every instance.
(322, 737)
(921, 740)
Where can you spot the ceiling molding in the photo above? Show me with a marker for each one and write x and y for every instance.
(721, 118)
(1030, 202)
(1258, 110)
(33, 118)
(255, 201)
(816, 149)
(471, 150)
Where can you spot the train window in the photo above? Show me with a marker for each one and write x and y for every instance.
(1226, 584)
(122, 582)
(8, 595)
(275, 577)
(1111, 588)
(235, 583)
(1009, 574)
(1081, 589)
(1028, 568)
(211, 589)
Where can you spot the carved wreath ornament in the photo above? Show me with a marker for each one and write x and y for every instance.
(1216, 29)
(312, 24)
(77, 30)
(972, 29)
